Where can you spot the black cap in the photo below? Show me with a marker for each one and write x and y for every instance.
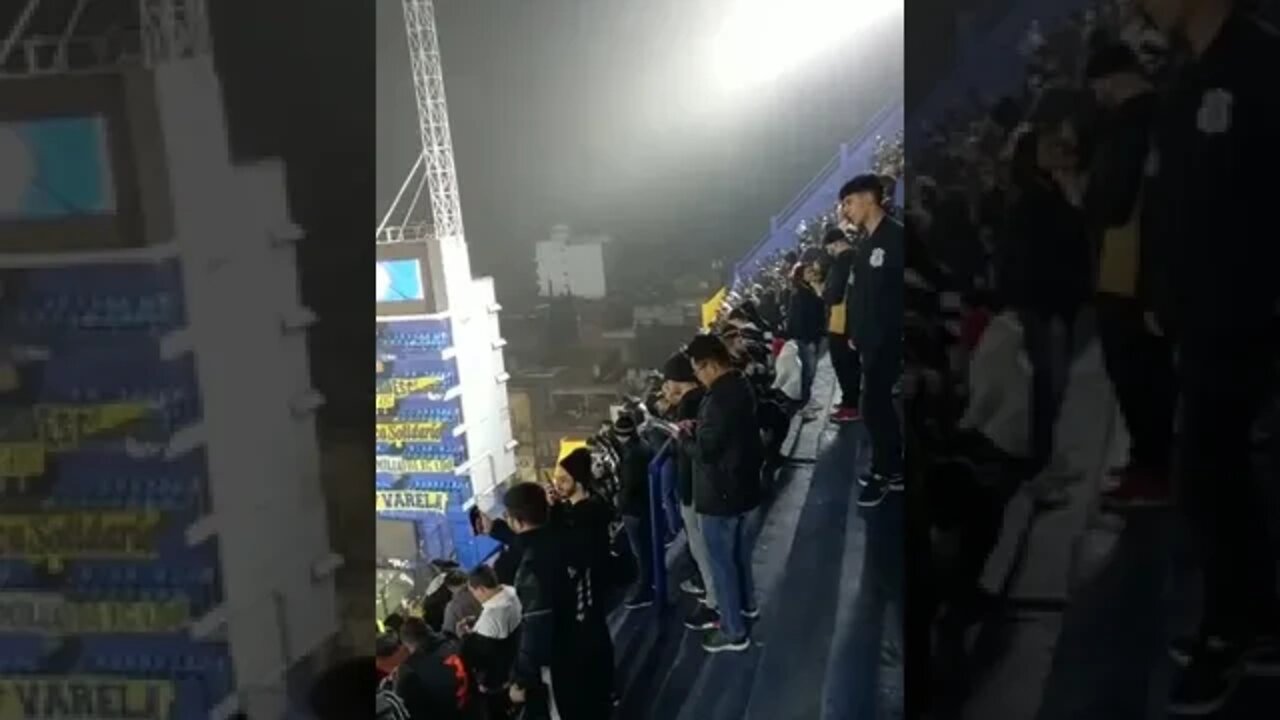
(679, 369)
(1111, 59)
(834, 235)
(578, 465)
(624, 426)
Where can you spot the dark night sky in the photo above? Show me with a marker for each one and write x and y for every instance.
(593, 113)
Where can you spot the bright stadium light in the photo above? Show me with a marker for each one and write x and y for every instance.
(762, 39)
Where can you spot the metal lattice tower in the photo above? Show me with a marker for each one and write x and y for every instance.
(52, 37)
(437, 163)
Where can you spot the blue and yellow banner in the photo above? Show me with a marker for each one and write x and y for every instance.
(409, 432)
(395, 465)
(63, 427)
(407, 501)
(85, 698)
(21, 460)
(104, 535)
(52, 614)
(400, 387)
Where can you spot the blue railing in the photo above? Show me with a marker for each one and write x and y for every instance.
(658, 466)
(819, 196)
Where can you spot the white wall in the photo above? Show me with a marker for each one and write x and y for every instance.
(571, 267)
(258, 426)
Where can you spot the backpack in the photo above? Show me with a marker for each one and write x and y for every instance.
(388, 705)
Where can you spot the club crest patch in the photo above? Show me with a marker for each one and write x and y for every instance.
(1214, 116)
(877, 257)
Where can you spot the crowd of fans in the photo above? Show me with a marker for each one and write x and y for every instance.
(1109, 198)
(527, 636)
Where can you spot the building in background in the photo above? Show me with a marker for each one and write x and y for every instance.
(574, 265)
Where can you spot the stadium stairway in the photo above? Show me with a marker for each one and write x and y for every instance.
(1091, 599)
(829, 579)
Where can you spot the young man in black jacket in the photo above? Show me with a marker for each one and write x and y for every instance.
(432, 682)
(563, 637)
(844, 357)
(1212, 278)
(633, 505)
(875, 328)
(728, 488)
(684, 395)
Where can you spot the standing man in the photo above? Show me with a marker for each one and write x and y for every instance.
(728, 487)
(844, 358)
(564, 641)
(1139, 360)
(682, 392)
(633, 505)
(875, 328)
(1215, 142)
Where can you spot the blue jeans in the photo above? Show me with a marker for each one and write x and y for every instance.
(729, 555)
(808, 352)
(670, 498)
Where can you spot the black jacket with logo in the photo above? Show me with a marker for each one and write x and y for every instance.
(727, 449)
(875, 295)
(1209, 247)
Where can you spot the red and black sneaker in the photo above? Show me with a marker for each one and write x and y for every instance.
(1136, 488)
(846, 415)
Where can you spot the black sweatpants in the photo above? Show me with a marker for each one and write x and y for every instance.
(1050, 368)
(1225, 378)
(883, 367)
(1140, 367)
(848, 369)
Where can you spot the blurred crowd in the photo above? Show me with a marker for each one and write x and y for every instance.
(1108, 203)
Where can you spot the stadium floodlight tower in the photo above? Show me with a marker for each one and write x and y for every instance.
(444, 434)
(150, 282)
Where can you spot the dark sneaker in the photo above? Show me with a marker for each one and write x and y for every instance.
(692, 587)
(639, 600)
(846, 415)
(865, 478)
(703, 618)
(1136, 489)
(751, 613)
(873, 493)
(1207, 683)
(718, 642)
(896, 483)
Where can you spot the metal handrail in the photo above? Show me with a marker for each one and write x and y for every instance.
(658, 525)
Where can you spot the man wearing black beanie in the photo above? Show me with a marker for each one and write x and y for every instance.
(683, 394)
